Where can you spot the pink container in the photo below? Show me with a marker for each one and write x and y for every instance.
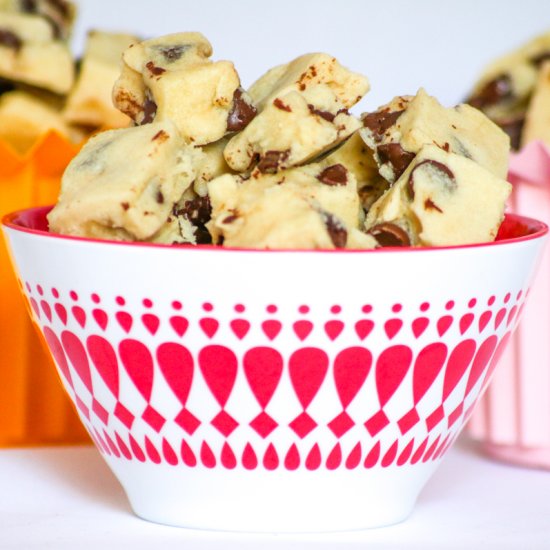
(512, 421)
(263, 390)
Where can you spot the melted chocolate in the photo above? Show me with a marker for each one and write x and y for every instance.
(334, 175)
(241, 112)
(389, 234)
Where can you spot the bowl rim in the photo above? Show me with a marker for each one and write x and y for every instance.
(13, 220)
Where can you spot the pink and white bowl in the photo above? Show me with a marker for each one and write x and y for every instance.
(273, 390)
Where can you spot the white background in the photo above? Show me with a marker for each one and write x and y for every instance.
(399, 45)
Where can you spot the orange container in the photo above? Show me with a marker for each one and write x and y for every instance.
(34, 409)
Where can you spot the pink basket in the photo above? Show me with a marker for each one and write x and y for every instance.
(512, 421)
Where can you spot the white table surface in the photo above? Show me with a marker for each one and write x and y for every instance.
(67, 498)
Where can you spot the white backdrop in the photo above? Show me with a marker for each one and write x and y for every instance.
(399, 44)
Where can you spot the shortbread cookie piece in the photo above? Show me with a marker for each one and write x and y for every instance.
(30, 53)
(172, 78)
(303, 112)
(441, 199)
(25, 116)
(90, 102)
(504, 89)
(60, 14)
(398, 130)
(104, 195)
(307, 207)
(211, 164)
(537, 116)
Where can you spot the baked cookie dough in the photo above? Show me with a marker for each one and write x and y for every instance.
(302, 113)
(31, 54)
(90, 102)
(172, 78)
(397, 131)
(103, 195)
(441, 199)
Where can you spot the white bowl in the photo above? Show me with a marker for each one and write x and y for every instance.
(273, 390)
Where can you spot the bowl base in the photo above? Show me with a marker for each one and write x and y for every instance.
(272, 501)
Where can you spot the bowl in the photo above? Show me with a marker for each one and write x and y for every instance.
(280, 391)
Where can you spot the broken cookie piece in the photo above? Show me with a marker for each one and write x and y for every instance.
(441, 199)
(31, 54)
(103, 196)
(172, 78)
(397, 131)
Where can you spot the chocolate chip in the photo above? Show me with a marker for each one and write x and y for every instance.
(280, 105)
(326, 115)
(153, 69)
(173, 53)
(496, 90)
(161, 136)
(514, 128)
(242, 112)
(539, 59)
(202, 235)
(198, 210)
(230, 219)
(444, 173)
(334, 175)
(125, 205)
(10, 40)
(149, 111)
(380, 121)
(271, 160)
(336, 231)
(6, 86)
(429, 204)
(395, 155)
(28, 6)
(389, 234)
(159, 197)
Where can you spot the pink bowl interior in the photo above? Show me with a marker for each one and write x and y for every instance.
(513, 228)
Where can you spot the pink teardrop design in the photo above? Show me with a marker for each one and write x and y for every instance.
(427, 366)
(218, 365)
(389, 456)
(511, 316)
(499, 317)
(484, 319)
(351, 368)
(465, 322)
(169, 455)
(104, 358)
(431, 450)
(405, 453)
(111, 444)
(271, 328)
(459, 360)
(207, 456)
(35, 307)
(240, 327)
(46, 309)
(354, 457)
(56, 349)
(307, 368)
(263, 368)
(151, 322)
(334, 328)
(271, 458)
(80, 315)
(151, 451)
(419, 325)
(77, 356)
(176, 364)
(372, 457)
(292, 458)
(419, 452)
(228, 458)
(138, 362)
(61, 312)
(100, 318)
(443, 324)
(302, 329)
(334, 458)
(392, 327)
(363, 328)
(313, 459)
(391, 367)
(136, 449)
(480, 362)
(494, 361)
(179, 324)
(187, 454)
(209, 326)
(249, 458)
(125, 320)
(123, 447)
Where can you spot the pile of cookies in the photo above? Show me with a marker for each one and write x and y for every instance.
(283, 164)
(42, 87)
(514, 91)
